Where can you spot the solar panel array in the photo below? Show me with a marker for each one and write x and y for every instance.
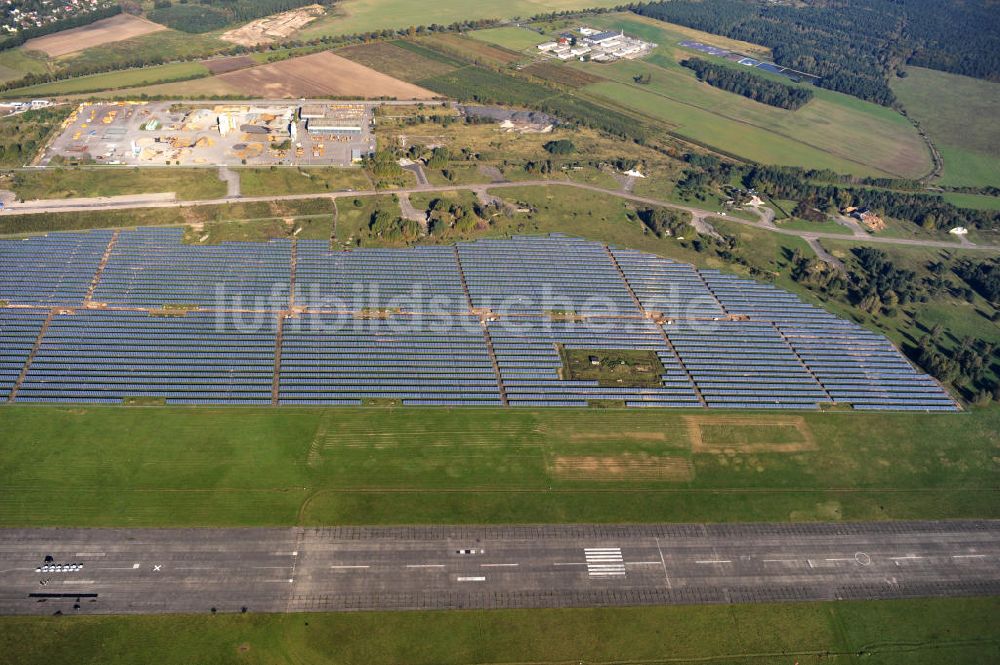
(380, 324)
(151, 267)
(418, 279)
(667, 287)
(51, 270)
(329, 359)
(19, 329)
(528, 356)
(107, 356)
(744, 364)
(535, 275)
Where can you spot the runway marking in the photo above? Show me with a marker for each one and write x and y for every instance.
(347, 567)
(196, 568)
(270, 567)
(499, 565)
(604, 561)
(642, 563)
(425, 565)
(663, 562)
(285, 553)
(780, 560)
(570, 563)
(849, 558)
(714, 561)
(156, 567)
(903, 558)
(969, 556)
(90, 554)
(135, 566)
(78, 582)
(471, 579)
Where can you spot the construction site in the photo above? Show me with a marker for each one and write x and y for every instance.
(193, 134)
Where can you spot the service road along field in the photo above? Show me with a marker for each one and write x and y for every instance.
(139, 571)
(114, 29)
(321, 75)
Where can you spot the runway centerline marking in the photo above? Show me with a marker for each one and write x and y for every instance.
(470, 579)
(425, 565)
(347, 567)
(499, 565)
(714, 561)
(968, 556)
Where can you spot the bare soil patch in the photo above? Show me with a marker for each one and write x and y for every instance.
(321, 75)
(114, 29)
(788, 434)
(224, 65)
(629, 466)
(273, 28)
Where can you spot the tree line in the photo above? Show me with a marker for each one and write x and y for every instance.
(749, 85)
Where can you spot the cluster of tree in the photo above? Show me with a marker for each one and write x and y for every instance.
(393, 228)
(439, 158)
(748, 84)
(450, 217)
(383, 165)
(23, 134)
(881, 285)
(666, 222)
(208, 15)
(967, 364)
(984, 277)
(854, 45)
(929, 210)
(560, 147)
(74, 21)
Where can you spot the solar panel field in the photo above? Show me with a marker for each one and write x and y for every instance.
(118, 316)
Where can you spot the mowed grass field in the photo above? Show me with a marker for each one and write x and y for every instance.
(960, 115)
(159, 466)
(354, 16)
(832, 131)
(910, 632)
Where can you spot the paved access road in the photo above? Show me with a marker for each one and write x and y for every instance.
(350, 568)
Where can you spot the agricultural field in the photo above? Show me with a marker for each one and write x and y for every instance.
(402, 60)
(925, 632)
(263, 182)
(168, 466)
(61, 183)
(16, 62)
(181, 71)
(976, 201)
(357, 16)
(959, 114)
(114, 29)
(320, 75)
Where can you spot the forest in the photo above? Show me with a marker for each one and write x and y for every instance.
(854, 45)
(749, 85)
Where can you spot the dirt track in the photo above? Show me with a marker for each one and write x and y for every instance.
(105, 31)
(321, 75)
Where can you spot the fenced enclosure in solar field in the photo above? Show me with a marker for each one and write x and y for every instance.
(107, 317)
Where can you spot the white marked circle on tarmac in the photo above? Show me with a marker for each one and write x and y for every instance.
(863, 558)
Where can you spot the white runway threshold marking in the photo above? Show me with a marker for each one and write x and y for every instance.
(605, 561)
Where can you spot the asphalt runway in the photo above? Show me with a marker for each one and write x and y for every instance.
(139, 571)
